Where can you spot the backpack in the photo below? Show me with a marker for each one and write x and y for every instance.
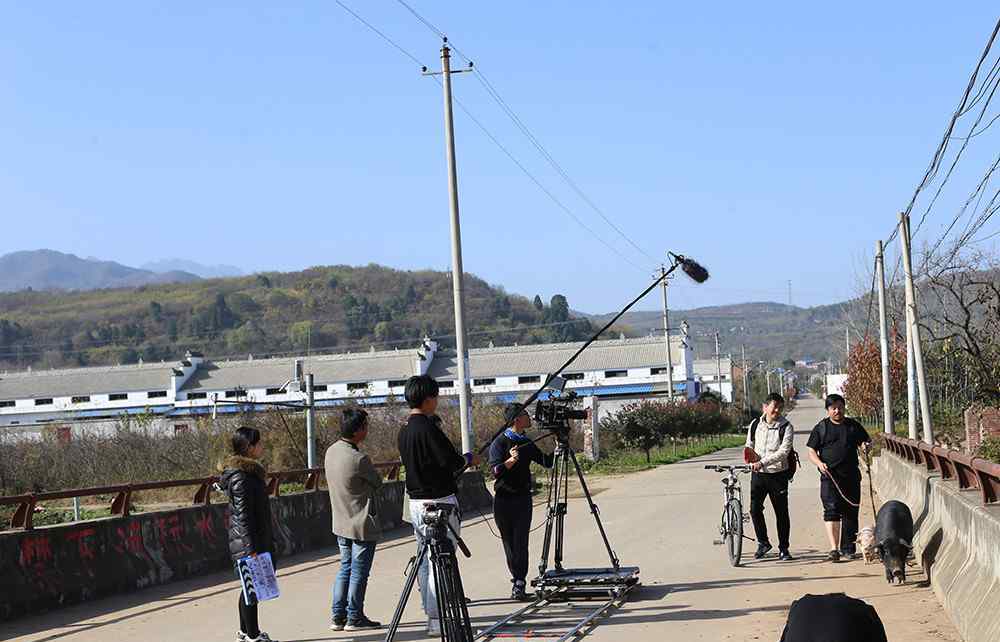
(793, 457)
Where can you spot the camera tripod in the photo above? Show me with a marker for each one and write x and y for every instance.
(438, 551)
(615, 579)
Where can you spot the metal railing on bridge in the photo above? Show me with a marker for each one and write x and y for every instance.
(121, 503)
(971, 473)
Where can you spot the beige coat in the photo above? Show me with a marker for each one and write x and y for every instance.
(353, 483)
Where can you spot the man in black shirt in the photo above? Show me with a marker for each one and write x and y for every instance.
(833, 447)
(511, 454)
(432, 467)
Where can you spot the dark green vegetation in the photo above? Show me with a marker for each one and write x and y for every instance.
(337, 307)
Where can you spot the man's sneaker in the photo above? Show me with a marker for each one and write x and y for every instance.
(833, 556)
(241, 636)
(847, 553)
(263, 637)
(784, 555)
(362, 624)
(338, 624)
(518, 594)
(762, 550)
(433, 626)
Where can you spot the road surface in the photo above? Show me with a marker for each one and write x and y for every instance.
(663, 520)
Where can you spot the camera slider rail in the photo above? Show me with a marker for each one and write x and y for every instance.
(615, 596)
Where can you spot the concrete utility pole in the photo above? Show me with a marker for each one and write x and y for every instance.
(457, 273)
(887, 417)
(911, 385)
(310, 424)
(789, 292)
(718, 364)
(666, 335)
(746, 377)
(847, 347)
(913, 322)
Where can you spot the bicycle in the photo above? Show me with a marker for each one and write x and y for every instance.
(731, 528)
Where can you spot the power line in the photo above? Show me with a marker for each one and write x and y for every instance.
(494, 139)
(512, 115)
(380, 33)
(942, 147)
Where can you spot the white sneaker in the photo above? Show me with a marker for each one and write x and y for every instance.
(433, 626)
(263, 637)
(241, 636)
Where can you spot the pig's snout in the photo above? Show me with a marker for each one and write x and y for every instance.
(898, 576)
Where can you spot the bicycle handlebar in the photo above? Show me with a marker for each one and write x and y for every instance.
(721, 469)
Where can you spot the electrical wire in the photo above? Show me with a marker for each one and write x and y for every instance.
(943, 145)
(490, 135)
(519, 123)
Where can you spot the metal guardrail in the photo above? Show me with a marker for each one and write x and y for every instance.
(971, 473)
(121, 504)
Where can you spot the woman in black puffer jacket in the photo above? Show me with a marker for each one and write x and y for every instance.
(244, 482)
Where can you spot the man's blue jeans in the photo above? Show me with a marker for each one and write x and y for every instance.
(352, 579)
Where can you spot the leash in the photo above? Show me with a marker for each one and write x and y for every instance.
(837, 486)
(871, 487)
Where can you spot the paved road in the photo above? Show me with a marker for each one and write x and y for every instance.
(664, 520)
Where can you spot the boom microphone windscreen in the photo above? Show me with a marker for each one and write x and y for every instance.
(694, 270)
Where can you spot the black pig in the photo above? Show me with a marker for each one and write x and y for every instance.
(894, 534)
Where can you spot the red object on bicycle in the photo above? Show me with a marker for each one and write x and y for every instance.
(750, 455)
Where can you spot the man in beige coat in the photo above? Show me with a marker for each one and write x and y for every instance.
(353, 483)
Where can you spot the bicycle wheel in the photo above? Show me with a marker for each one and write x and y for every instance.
(734, 534)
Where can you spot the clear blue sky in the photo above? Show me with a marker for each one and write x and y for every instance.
(771, 142)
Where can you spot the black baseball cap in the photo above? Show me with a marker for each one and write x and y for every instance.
(512, 410)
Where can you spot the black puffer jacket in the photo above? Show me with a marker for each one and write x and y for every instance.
(244, 481)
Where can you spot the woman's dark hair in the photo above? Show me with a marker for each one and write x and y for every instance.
(832, 399)
(419, 389)
(244, 438)
(352, 421)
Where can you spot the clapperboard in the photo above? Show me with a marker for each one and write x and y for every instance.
(256, 573)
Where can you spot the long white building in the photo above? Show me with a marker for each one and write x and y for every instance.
(171, 395)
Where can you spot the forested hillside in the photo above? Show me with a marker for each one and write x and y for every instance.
(334, 307)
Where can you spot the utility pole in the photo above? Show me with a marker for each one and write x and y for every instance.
(911, 385)
(746, 376)
(887, 417)
(913, 322)
(767, 375)
(789, 292)
(666, 335)
(457, 273)
(718, 364)
(310, 424)
(847, 347)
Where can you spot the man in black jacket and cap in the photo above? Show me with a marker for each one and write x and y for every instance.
(511, 454)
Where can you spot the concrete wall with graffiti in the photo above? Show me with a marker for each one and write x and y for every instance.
(47, 568)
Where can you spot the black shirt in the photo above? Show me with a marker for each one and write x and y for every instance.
(834, 617)
(837, 444)
(515, 480)
(430, 459)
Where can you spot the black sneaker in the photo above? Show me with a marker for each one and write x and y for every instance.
(762, 550)
(784, 555)
(338, 624)
(361, 624)
(833, 556)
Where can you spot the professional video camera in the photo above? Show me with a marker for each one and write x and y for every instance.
(555, 413)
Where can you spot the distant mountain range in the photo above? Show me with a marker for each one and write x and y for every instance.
(184, 265)
(51, 270)
(770, 330)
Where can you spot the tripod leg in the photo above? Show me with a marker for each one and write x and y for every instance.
(561, 508)
(411, 578)
(549, 515)
(594, 510)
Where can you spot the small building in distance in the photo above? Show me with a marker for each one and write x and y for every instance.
(706, 372)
